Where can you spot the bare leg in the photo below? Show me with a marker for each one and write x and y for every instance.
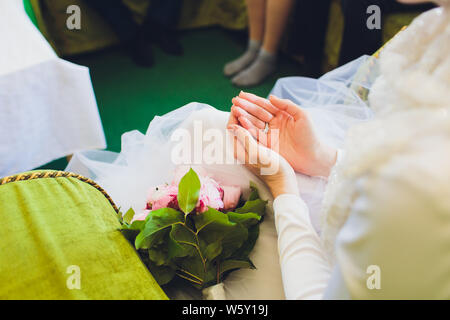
(256, 15)
(277, 13)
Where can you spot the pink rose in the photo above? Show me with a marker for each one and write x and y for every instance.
(141, 216)
(210, 195)
(163, 196)
(231, 196)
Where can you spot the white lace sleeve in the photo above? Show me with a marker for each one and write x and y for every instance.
(304, 266)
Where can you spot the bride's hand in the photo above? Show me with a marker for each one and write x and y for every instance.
(269, 166)
(295, 139)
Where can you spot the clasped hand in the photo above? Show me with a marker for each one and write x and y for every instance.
(290, 140)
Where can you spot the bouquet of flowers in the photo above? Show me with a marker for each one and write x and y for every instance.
(195, 229)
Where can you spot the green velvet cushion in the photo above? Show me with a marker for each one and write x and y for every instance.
(50, 224)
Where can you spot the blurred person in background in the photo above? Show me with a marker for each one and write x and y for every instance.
(357, 38)
(307, 33)
(157, 28)
(267, 21)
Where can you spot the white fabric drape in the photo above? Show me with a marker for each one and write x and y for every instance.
(47, 105)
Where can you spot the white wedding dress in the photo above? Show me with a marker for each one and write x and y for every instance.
(386, 212)
(389, 156)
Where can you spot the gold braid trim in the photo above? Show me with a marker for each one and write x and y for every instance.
(56, 174)
(362, 92)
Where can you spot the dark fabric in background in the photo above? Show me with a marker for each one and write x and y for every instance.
(308, 30)
(309, 23)
(164, 13)
(357, 39)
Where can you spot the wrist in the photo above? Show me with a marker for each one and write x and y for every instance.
(325, 159)
(281, 192)
(288, 187)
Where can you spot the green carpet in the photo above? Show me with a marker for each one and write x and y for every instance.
(129, 96)
(29, 10)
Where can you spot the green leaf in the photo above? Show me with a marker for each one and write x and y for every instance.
(211, 218)
(233, 240)
(244, 251)
(136, 225)
(188, 191)
(193, 268)
(229, 265)
(162, 274)
(212, 225)
(254, 193)
(182, 242)
(128, 216)
(158, 256)
(156, 226)
(257, 206)
(213, 250)
(246, 219)
(254, 203)
(215, 226)
(130, 232)
(164, 251)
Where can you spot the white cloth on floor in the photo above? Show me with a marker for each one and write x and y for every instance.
(47, 105)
